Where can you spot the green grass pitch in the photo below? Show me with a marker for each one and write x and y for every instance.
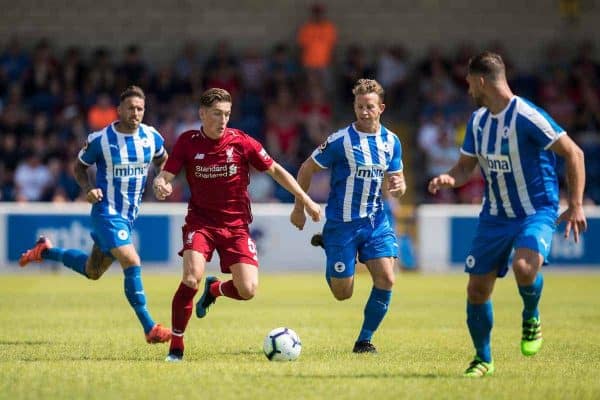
(62, 337)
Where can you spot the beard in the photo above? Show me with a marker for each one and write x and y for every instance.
(478, 100)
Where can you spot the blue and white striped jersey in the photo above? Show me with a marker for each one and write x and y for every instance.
(512, 149)
(122, 162)
(358, 162)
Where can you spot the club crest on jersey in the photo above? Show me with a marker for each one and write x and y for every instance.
(498, 163)
(229, 154)
(505, 132)
(145, 142)
(323, 146)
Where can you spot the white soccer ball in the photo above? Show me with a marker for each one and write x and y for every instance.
(282, 344)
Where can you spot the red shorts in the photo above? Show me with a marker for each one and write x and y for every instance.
(234, 245)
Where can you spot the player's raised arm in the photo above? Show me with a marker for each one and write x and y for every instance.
(456, 176)
(575, 169)
(286, 180)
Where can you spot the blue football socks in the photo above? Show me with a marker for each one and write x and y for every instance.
(531, 297)
(71, 258)
(480, 319)
(375, 310)
(134, 291)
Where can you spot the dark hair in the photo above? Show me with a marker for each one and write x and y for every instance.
(488, 64)
(132, 91)
(214, 95)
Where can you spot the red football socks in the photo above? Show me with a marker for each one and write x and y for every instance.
(226, 289)
(181, 311)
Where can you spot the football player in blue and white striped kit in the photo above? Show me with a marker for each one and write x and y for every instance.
(122, 153)
(514, 142)
(362, 158)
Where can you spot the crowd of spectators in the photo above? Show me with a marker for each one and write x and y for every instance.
(285, 98)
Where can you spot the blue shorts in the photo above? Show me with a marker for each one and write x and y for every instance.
(369, 238)
(109, 232)
(496, 238)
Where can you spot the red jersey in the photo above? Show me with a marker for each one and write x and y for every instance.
(218, 173)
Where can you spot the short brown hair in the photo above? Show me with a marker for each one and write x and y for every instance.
(488, 64)
(214, 95)
(366, 86)
(132, 91)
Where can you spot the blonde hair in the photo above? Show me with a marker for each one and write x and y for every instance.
(366, 86)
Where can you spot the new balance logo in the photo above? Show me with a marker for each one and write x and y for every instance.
(199, 156)
(498, 163)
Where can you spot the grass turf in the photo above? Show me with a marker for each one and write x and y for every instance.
(64, 337)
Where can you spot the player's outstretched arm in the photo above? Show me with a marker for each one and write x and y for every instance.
(456, 176)
(286, 180)
(92, 194)
(574, 215)
(162, 185)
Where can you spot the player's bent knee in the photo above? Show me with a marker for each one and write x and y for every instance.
(385, 282)
(343, 294)
(247, 290)
(94, 272)
(477, 294)
(190, 281)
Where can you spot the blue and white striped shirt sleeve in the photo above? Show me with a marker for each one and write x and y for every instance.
(325, 155)
(160, 144)
(396, 164)
(540, 127)
(468, 147)
(88, 155)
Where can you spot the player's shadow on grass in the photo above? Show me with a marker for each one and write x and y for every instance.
(24, 342)
(385, 375)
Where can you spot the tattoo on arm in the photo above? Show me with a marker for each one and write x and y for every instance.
(82, 178)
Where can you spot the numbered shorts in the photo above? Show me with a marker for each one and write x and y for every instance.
(496, 238)
(368, 238)
(109, 232)
(234, 245)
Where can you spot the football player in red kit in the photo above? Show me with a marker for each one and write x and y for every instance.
(217, 162)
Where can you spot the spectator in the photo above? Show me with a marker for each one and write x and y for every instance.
(102, 113)
(317, 38)
(32, 178)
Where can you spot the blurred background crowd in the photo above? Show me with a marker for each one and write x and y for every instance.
(290, 97)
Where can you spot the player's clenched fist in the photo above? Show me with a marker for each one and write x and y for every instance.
(93, 196)
(439, 182)
(298, 218)
(313, 209)
(162, 188)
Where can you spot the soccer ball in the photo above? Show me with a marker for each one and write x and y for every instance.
(282, 344)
